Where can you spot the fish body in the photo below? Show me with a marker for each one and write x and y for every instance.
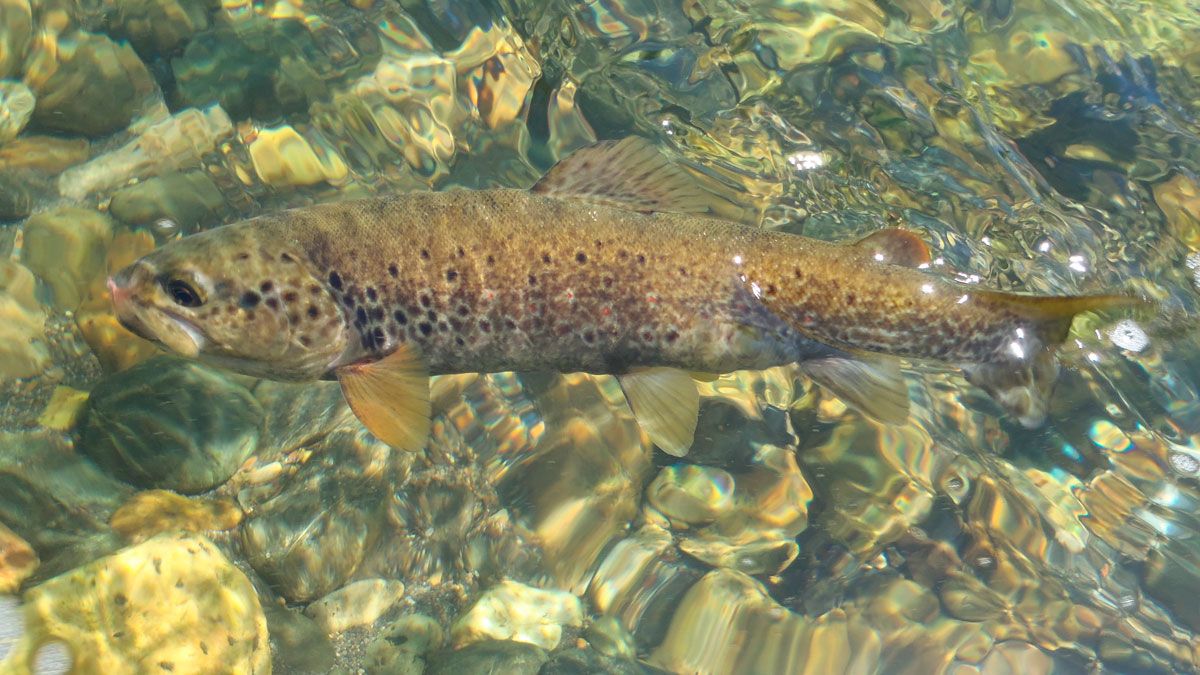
(500, 280)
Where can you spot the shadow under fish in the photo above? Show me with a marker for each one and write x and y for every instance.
(608, 265)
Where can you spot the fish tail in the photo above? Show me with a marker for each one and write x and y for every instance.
(1021, 382)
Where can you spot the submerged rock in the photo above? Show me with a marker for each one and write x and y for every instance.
(298, 645)
(495, 657)
(187, 199)
(66, 248)
(16, 31)
(159, 26)
(96, 90)
(172, 603)
(50, 495)
(16, 107)
(171, 423)
(23, 351)
(402, 647)
(360, 603)
(154, 512)
(17, 560)
(514, 611)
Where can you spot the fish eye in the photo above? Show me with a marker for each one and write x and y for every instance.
(183, 293)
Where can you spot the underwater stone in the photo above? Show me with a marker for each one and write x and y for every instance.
(297, 643)
(586, 661)
(402, 645)
(171, 423)
(514, 611)
(177, 142)
(16, 107)
(23, 351)
(284, 158)
(310, 537)
(607, 636)
(50, 495)
(173, 602)
(48, 154)
(496, 657)
(158, 25)
(360, 603)
(66, 248)
(154, 512)
(188, 199)
(691, 494)
(17, 560)
(97, 90)
(16, 30)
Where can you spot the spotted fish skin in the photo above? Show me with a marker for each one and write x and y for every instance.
(498, 280)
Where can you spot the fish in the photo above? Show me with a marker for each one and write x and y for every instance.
(610, 264)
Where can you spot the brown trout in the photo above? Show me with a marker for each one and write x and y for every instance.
(603, 267)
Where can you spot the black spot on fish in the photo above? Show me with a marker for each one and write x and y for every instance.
(305, 341)
(242, 256)
(372, 295)
(608, 282)
(313, 312)
(641, 259)
(546, 258)
(683, 272)
(581, 257)
(672, 335)
(485, 326)
(647, 336)
(432, 315)
(426, 301)
(424, 254)
(491, 260)
(510, 324)
(348, 301)
(532, 280)
(290, 296)
(377, 313)
(456, 324)
(335, 280)
(393, 270)
(272, 303)
(284, 257)
(622, 254)
(589, 337)
(249, 300)
(463, 310)
(426, 328)
(850, 298)
(451, 275)
(400, 317)
(460, 342)
(314, 289)
(462, 252)
(360, 316)
(266, 286)
(443, 327)
(377, 334)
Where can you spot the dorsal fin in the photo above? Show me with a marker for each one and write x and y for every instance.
(630, 173)
(391, 397)
(895, 246)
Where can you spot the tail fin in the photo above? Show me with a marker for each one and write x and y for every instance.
(1023, 383)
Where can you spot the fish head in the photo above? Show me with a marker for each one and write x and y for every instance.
(234, 298)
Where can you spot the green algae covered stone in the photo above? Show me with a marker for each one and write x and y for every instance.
(171, 423)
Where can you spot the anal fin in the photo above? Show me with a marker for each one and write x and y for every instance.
(874, 387)
(666, 403)
(391, 397)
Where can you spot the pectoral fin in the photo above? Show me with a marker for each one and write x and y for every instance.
(391, 397)
(666, 403)
(874, 387)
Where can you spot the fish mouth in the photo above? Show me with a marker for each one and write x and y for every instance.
(156, 324)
